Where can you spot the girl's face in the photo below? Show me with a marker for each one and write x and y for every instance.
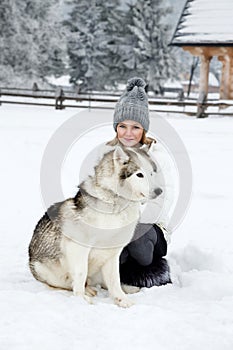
(129, 133)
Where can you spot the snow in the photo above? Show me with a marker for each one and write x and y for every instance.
(202, 23)
(173, 84)
(195, 312)
(213, 81)
(63, 81)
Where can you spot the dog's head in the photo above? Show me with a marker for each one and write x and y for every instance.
(129, 173)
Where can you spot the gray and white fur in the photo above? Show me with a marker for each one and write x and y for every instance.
(78, 242)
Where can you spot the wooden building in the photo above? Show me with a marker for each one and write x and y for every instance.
(205, 29)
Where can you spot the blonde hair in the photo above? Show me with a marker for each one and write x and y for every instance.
(145, 140)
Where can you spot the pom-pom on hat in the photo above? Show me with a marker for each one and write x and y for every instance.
(133, 104)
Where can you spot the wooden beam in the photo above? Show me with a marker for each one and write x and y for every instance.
(204, 78)
(224, 87)
(231, 77)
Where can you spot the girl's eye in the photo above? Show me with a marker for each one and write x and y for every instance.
(121, 126)
(136, 127)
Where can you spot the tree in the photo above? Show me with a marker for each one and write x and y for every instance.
(41, 26)
(108, 44)
(112, 20)
(86, 36)
(154, 59)
(120, 57)
(31, 42)
(9, 27)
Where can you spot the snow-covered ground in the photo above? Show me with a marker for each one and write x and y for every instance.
(195, 312)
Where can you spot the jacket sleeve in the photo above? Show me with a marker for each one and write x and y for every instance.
(160, 209)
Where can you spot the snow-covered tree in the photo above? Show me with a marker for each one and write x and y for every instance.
(86, 36)
(153, 57)
(138, 39)
(41, 26)
(128, 43)
(31, 42)
(9, 29)
(115, 21)
(108, 44)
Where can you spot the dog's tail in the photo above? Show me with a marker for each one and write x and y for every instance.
(155, 274)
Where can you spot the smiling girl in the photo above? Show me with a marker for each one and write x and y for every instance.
(142, 262)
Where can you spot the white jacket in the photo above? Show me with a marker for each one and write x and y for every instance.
(160, 210)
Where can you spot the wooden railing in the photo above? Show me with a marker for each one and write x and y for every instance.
(61, 99)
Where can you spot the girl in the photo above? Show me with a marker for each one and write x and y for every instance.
(142, 262)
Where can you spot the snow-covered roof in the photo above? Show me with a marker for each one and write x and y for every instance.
(205, 22)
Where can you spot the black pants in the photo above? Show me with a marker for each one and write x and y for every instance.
(160, 248)
(148, 244)
(134, 271)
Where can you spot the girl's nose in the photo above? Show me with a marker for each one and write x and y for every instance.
(128, 132)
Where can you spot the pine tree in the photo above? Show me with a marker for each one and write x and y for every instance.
(154, 59)
(113, 19)
(41, 27)
(31, 42)
(137, 44)
(9, 27)
(86, 36)
(130, 60)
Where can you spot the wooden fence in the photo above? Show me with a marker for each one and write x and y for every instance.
(61, 99)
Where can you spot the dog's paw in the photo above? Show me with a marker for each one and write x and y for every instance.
(130, 289)
(123, 302)
(90, 291)
(84, 296)
(88, 299)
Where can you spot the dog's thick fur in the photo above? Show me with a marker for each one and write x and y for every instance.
(77, 243)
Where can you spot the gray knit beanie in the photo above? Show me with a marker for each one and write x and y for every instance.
(133, 104)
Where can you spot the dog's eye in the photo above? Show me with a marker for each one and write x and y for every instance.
(125, 163)
(140, 175)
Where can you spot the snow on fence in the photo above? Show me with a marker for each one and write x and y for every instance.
(61, 99)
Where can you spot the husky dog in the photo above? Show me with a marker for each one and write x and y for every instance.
(78, 242)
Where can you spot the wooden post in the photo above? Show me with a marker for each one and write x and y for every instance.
(59, 98)
(224, 88)
(203, 84)
(193, 67)
(231, 78)
(35, 87)
(204, 77)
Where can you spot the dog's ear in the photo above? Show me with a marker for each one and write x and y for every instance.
(120, 156)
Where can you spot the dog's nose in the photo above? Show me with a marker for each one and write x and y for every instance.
(158, 191)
